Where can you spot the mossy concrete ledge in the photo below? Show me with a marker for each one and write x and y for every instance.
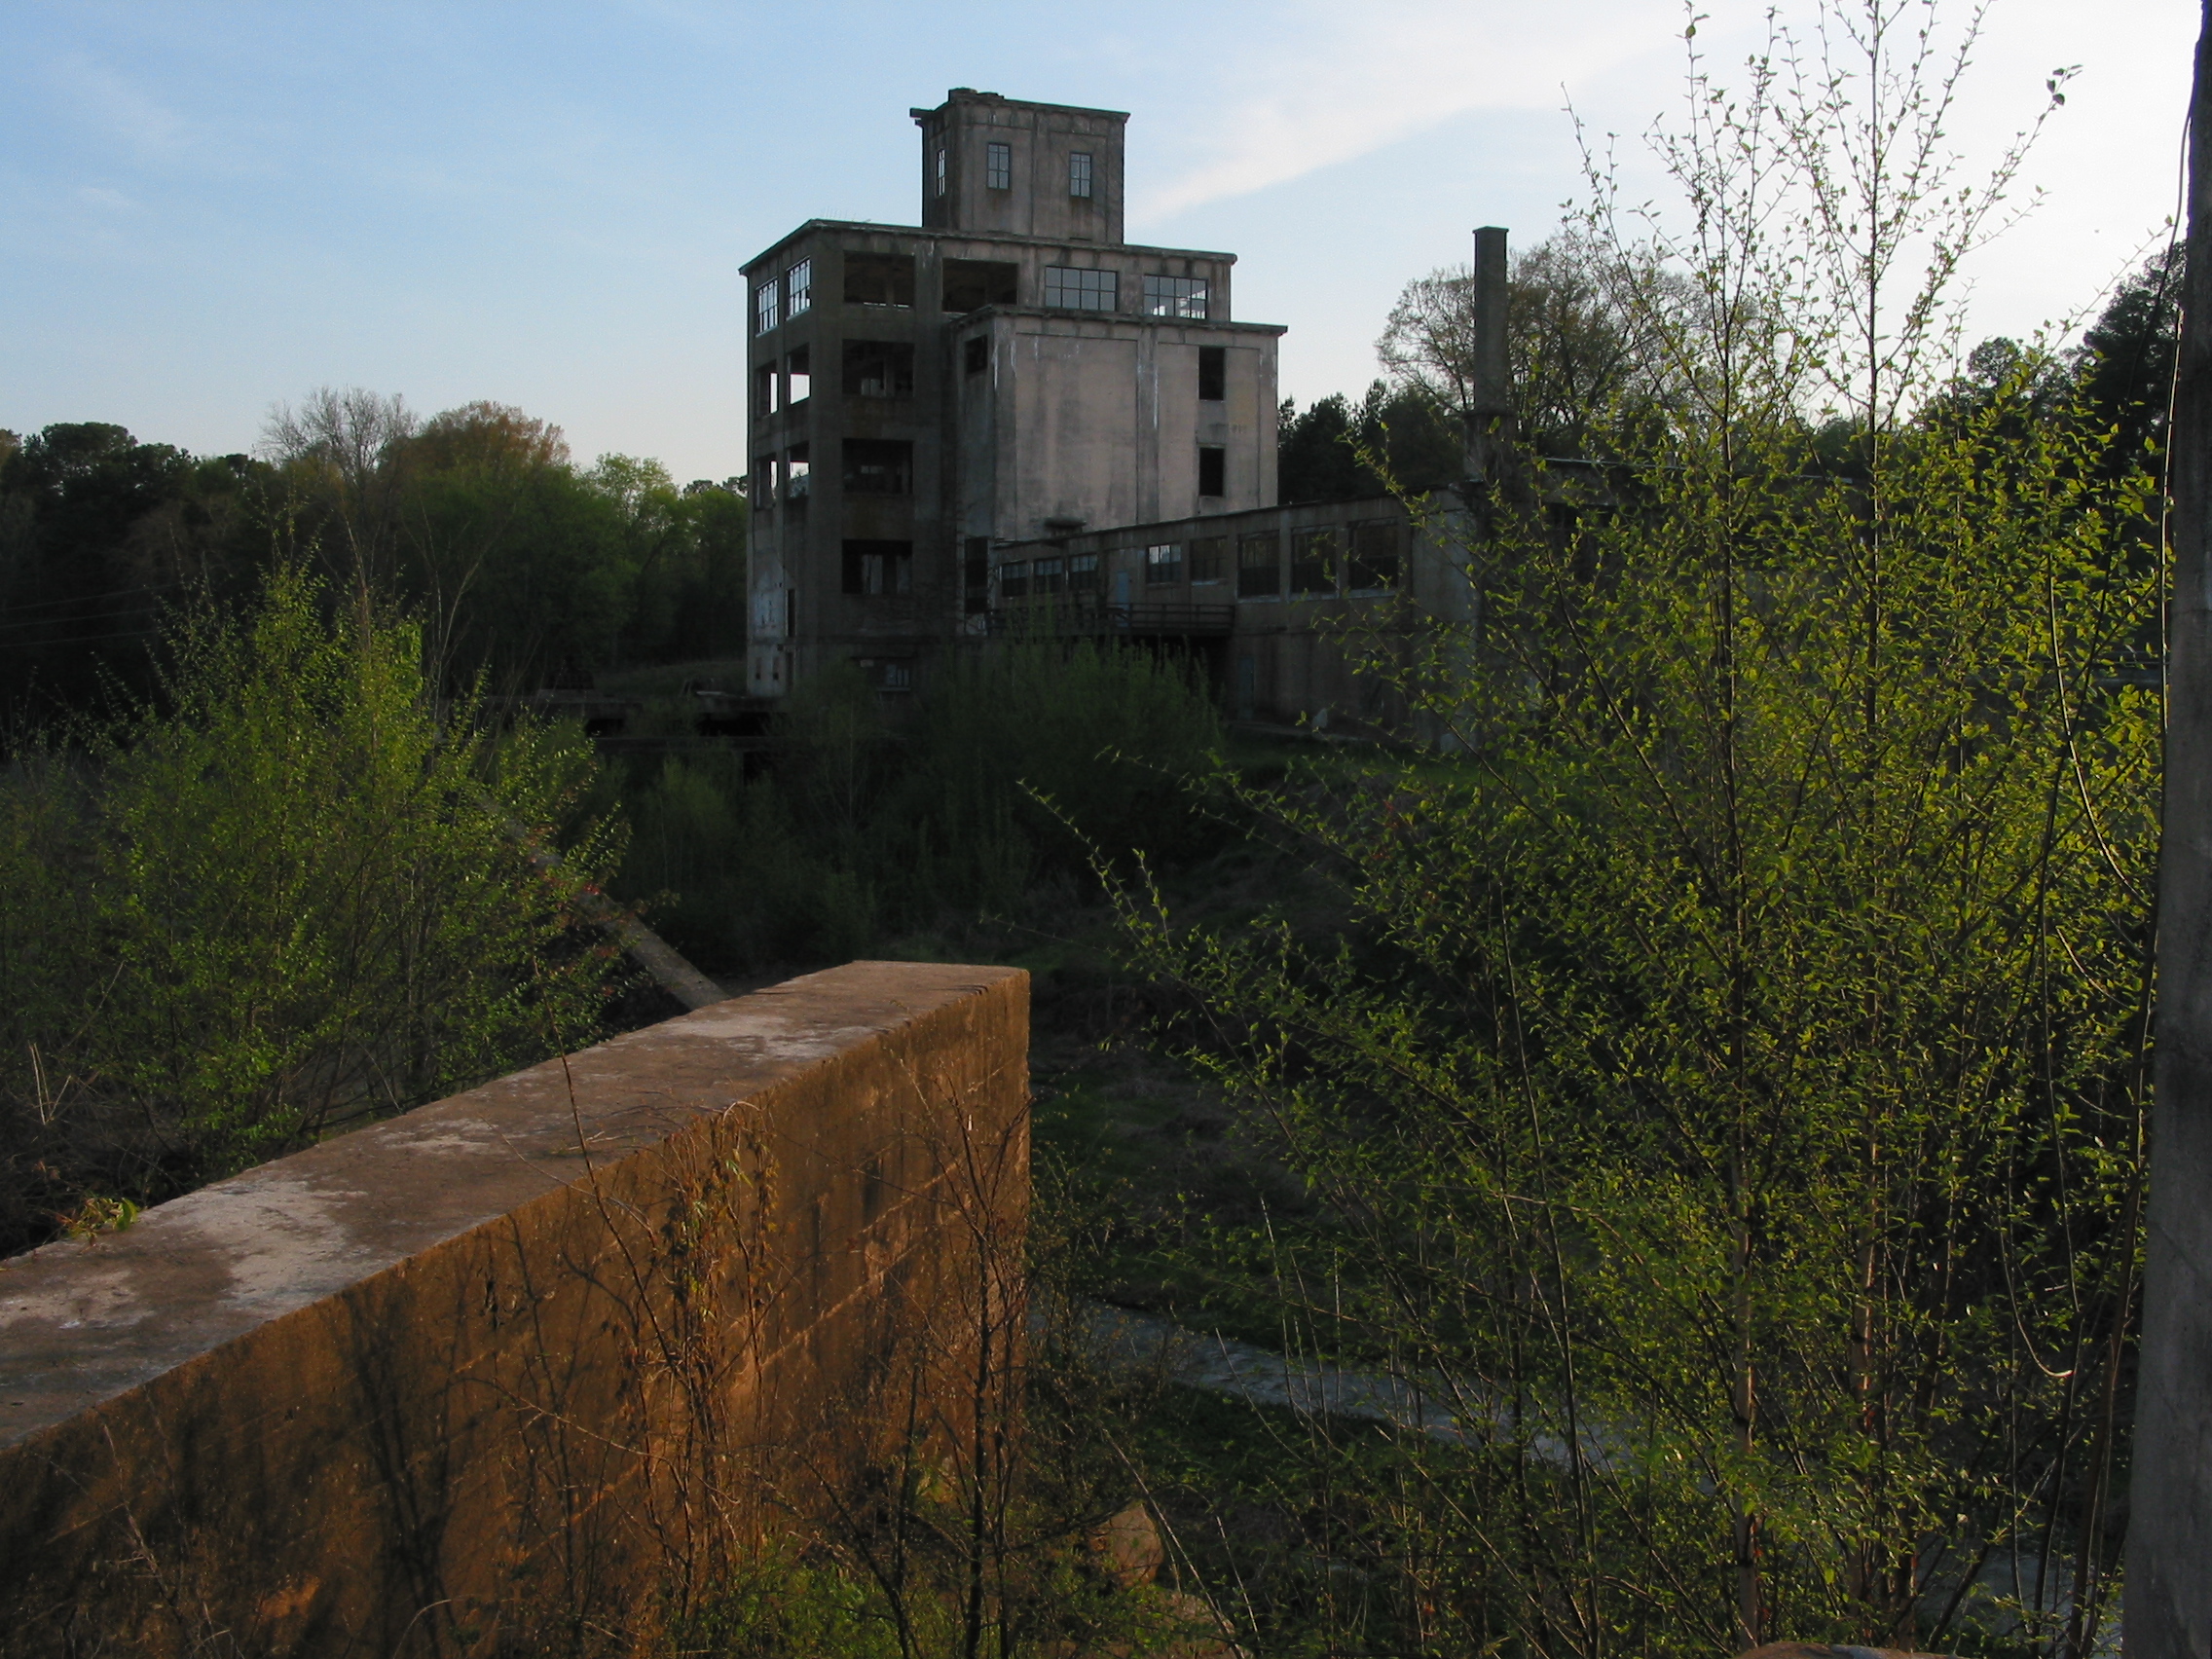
(519, 1371)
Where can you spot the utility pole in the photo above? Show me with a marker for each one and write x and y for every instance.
(2167, 1602)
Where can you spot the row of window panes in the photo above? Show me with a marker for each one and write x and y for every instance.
(888, 280)
(1073, 288)
(1316, 557)
(872, 466)
(795, 290)
(998, 169)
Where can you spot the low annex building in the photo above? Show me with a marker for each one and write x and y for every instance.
(1008, 416)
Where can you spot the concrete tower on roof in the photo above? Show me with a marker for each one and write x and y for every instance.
(1007, 370)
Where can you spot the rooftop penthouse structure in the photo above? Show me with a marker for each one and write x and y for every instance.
(1009, 370)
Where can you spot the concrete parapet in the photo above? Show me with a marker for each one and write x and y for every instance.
(518, 1370)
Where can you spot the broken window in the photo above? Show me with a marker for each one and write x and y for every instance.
(1208, 555)
(975, 354)
(764, 384)
(1163, 564)
(1074, 289)
(1048, 576)
(798, 289)
(799, 367)
(1259, 566)
(976, 575)
(971, 284)
(879, 280)
(1013, 580)
(764, 307)
(1313, 560)
(879, 368)
(799, 471)
(1175, 296)
(1213, 373)
(879, 466)
(888, 673)
(997, 166)
(1374, 562)
(1083, 573)
(764, 492)
(1214, 470)
(1079, 173)
(877, 567)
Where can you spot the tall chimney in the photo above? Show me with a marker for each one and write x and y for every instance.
(1489, 391)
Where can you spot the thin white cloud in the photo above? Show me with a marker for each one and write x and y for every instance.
(1332, 83)
(99, 195)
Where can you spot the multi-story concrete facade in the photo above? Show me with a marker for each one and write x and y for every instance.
(1007, 370)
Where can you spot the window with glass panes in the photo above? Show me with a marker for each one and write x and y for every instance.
(1073, 289)
(1163, 564)
(997, 166)
(799, 288)
(1259, 566)
(1175, 296)
(1313, 560)
(1079, 173)
(1083, 573)
(764, 307)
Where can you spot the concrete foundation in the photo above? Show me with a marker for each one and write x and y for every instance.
(521, 1370)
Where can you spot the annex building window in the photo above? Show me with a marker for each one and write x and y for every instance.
(1210, 558)
(997, 166)
(1048, 576)
(879, 279)
(1374, 562)
(1313, 560)
(798, 289)
(1078, 174)
(879, 368)
(1163, 564)
(764, 307)
(976, 575)
(1259, 566)
(877, 567)
(1083, 573)
(1214, 470)
(879, 466)
(798, 371)
(1176, 296)
(1073, 289)
(973, 283)
(1213, 373)
(1013, 580)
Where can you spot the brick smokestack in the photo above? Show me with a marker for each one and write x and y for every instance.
(1490, 401)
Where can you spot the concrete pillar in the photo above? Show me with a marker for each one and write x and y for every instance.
(1490, 403)
(2167, 1611)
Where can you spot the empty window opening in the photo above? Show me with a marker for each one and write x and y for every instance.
(942, 174)
(976, 575)
(765, 384)
(879, 466)
(1175, 296)
(1074, 289)
(997, 166)
(764, 307)
(1210, 558)
(798, 371)
(878, 568)
(1259, 566)
(1163, 564)
(1313, 560)
(1083, 573)
(1078, 174)
(799, 471)
(764, 481)
(973, 283)
(1048, 576)
(798, 289)
(1013, 580)
(1374, 562)
(975, 354)
(1213, 373)
(879, 368)
(879, 280)
(1214, 470)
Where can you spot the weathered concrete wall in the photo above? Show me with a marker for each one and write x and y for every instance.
(513, 1371)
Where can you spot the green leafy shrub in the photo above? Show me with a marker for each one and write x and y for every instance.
(296, 893)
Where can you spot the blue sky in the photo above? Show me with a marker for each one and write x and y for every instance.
(207, 209)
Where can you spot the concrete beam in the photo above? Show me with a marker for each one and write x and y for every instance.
(530, 1360)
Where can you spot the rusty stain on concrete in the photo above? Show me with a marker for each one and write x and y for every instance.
(325, 1400)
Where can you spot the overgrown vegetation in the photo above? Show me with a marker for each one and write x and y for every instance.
(293, 892)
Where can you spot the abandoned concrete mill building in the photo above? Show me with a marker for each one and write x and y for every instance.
(1009, 408)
